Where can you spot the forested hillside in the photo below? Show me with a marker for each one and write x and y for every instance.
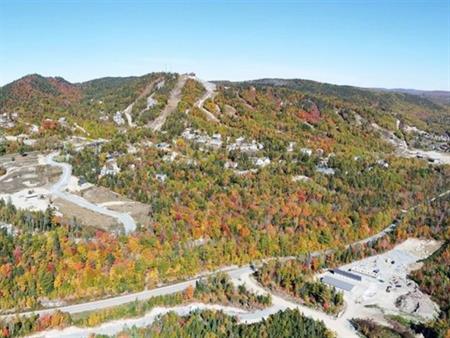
(434, 279)
(36, 97)
(283, 168)
(414, 109)
(287, 168)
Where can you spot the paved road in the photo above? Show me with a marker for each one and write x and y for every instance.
(234, 272)
(114, 327)
(343, 328)
(239, 276)
(59, 190)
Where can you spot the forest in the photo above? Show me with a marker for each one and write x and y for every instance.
(295, 279)
(328, 179)
(28, 221)
(284, 324)
(215, 289)
(369, 329)
(433, 278)
(239, 218)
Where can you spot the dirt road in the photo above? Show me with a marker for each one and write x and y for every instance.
(172, 103)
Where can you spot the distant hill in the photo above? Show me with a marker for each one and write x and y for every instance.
(415, 109)
(436, 96)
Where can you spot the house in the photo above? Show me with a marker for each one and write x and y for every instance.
(63, 122)
(161, 177)
(34, 129)
(290, 147)
(383, 163)
(245, 147)
(230, 164)
(300, 178)
(261, 161)
(49, 124)
(110, 168)
(6, 121)
(325, 170)
(306, 151)
(118, 119)
(163, 146)
(170, 157)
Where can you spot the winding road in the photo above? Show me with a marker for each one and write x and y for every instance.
(239, 275)
(59, 189)
(210, 92)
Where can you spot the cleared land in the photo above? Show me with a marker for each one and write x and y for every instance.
(384, 287)
(174, 98)
(33, 182)
(113, 201)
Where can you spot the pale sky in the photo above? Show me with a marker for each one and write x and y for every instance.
(392, 44)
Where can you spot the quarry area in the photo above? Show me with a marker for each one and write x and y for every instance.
(378, 285)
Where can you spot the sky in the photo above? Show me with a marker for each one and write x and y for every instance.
(391, 44)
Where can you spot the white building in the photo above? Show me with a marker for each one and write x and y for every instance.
(290, 147)
(161, 177)
(261, 161)
(110, 168)
(118, 119)
(245, 147)
(306, 151)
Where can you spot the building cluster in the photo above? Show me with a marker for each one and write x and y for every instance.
(118, 118)
(110, 168)
(201, 138)
(246, 147)
(8, 120)
(433, 142)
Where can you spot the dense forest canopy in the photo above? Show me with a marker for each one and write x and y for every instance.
(288, 323)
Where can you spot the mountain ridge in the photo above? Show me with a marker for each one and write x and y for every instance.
(35, 96)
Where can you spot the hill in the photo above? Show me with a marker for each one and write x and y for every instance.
(436, 96)
(34, 95)
(237, 172)
(419, 110)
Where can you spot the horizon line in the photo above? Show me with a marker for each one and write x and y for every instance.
(234, 81)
